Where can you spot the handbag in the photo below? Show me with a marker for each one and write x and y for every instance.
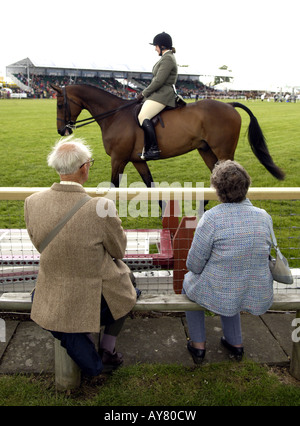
(279, 267)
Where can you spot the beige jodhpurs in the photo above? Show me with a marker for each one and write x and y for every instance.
(149, 110)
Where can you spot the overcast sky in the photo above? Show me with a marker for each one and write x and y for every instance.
(257, 39)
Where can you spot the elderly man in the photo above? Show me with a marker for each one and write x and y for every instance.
(81, 283)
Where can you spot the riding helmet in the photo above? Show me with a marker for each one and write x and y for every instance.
(162, 40)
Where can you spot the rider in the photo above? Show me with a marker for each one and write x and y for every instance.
(159, 94)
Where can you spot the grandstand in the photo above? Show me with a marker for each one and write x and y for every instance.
(34, 76)
(32, 79)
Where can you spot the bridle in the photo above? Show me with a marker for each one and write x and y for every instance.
(71, 125)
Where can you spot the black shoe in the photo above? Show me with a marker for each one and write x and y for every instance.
(111, 361)
(236, 352)
(197, 354)
(152, 154)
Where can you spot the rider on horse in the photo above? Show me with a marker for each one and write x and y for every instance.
(159, 94)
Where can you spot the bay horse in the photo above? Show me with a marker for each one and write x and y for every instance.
(212, 127)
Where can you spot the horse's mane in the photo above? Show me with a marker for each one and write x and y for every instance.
(94, 86)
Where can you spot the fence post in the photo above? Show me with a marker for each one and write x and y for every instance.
(181, 245)
(171, 215)
(67, 372)
(295, 361)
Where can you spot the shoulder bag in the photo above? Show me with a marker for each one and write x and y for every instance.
(279, 267)
(62, 222)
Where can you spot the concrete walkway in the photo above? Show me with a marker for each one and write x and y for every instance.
(153, 339)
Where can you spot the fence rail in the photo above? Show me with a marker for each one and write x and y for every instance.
(19, 194)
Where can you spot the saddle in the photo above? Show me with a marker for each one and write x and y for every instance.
(180, 103)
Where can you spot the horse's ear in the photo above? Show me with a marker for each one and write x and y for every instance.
(56, 88)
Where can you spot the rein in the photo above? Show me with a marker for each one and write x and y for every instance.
(89, 120)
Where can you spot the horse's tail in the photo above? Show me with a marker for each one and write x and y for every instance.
(258, 144)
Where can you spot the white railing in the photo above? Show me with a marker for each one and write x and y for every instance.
(18, 193)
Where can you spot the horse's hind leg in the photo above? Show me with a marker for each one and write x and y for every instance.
(208, 156)
(210, 160)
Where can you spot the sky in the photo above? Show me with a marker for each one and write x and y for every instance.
(258, 39)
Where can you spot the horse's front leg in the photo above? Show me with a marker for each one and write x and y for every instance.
(144, 172)
(117, 169)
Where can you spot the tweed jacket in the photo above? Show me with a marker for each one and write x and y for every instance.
(164, 76)
(228, 261)
(77, 267)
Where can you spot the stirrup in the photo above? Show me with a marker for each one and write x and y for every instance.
(152, 154)
(142, 155)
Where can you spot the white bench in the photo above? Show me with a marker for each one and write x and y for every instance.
(67, 374)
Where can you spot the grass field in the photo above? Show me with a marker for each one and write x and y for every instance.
(28, 130)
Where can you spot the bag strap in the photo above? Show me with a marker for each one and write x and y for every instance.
(275, 242)
(62, 222)
(273, 237)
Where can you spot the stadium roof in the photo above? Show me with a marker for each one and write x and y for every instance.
(46, 66)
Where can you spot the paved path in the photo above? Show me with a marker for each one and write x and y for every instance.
(162, 339)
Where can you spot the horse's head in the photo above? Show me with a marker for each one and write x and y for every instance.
(67, 110)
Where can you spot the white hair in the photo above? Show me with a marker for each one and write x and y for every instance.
(68, 155)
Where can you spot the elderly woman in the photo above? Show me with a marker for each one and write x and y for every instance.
(228, 262)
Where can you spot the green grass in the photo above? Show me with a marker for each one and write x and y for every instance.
(28, 130)
(225, 384)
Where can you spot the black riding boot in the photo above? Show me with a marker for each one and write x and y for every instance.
(151, 147)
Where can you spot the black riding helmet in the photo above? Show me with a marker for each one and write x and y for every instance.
(163, 40)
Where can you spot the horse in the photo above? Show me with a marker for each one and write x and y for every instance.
(212, 127)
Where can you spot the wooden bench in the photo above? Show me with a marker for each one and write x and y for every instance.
(67, 374)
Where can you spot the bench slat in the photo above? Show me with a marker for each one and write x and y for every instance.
(151, 302)
(286, 302)
(169, 302)
(180, 302)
